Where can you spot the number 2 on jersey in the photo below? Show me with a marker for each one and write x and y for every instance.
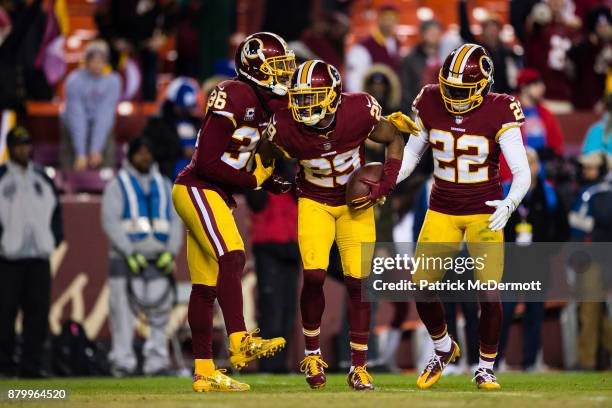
(320, 171)
(467, 168)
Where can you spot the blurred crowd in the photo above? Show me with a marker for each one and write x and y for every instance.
(553, 55)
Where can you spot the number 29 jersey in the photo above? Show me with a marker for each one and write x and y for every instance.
(465, 149)
(327, 158)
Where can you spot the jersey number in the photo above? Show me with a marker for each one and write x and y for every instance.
(217, 99)
(247, 138)
(515, 107)
(467, 168)
(319, 171)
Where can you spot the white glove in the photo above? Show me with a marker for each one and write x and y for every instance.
(503, 211)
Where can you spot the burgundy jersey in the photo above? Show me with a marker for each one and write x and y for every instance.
(228, 137)
(465, 149)
(546, 51)
(327, 157)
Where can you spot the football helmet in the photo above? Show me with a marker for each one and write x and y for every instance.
(315, 91)
(465, 78)
(264, 59)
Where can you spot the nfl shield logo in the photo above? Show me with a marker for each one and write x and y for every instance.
(326, 146)
(458, 119)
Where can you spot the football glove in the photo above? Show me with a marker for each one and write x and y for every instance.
(503, 211)
(261, 172)
(379, 189)
(136, 262)
(403, 123)
(165, 263)
(277, 185)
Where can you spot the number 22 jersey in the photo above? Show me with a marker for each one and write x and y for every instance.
(465, 149)
(327, 157)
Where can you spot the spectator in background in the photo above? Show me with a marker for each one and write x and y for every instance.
(30, 229)
(420, 67)
(173, 133)
(541, 130)
(136, 28)
(540, 217)
(592, 220)
(503, 58)
(23, 26)
(325, 39)
(593, 169)
(384, 85)
(145, 234)
(551, 29)
(380, 47)
(592, 57)
(599, 136)
(92, 95)
(277, 264)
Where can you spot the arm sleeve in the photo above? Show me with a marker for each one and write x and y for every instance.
(464, 22)
(175, 239)
(112, 207)
(413, 151)
(358, 61)
(75, 117)
(511, 143)
(104, 119)
(215, 137)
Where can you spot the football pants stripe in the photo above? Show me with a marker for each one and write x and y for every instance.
(208, 222)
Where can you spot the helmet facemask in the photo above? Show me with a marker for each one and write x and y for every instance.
(310, 105)
(461, 98)
(279, 69)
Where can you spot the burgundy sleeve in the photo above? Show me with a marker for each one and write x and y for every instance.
(215, 137)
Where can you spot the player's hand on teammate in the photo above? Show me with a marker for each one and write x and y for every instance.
(277, 185)
(503, 211)
(136, 262)
(403, 123)
(261, 172)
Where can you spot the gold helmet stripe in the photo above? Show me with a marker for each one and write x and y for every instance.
(303, 74)
(311, 69)
(465, 60)
(457, 63)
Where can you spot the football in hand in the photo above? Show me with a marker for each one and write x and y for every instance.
(356, 188)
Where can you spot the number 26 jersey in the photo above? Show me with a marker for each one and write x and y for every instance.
(465, 149)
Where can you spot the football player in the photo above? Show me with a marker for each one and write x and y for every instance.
(325, 130)
(467, 128)
(224, 162)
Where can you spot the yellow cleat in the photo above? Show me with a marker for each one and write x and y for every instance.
(360, 380)
(314, 367)
(252, 347)
(437, 363)
(217, 382)
(485, 379)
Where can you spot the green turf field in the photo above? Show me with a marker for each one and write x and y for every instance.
(519, 391)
